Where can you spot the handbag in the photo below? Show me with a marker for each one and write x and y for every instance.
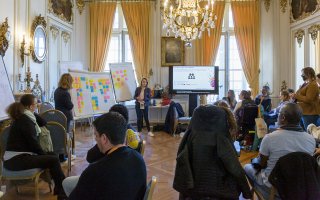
(261, 126)
(45, 140)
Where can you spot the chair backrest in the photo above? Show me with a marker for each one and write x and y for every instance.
(45, 106)
(58, 136)
(150, 188)
(248, 114)
(142, 147)
(55, 116)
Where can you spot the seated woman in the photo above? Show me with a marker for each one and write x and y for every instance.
(231, 99)
(271, 117)
(207, 149)
(264, 99)
(245, 99)
(23, 150)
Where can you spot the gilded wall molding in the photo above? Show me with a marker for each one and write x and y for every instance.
(313, 31)
(54, 31)
(66, 37)
(283, 5)
(80, 5)
(267, 4)
(299, 36)
(4, 37)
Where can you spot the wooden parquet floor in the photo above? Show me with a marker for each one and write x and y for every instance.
(160, 155)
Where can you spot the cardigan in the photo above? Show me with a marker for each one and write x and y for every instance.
(308, 98)
(147, 95)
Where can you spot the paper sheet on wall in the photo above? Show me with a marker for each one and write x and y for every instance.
(92, 93)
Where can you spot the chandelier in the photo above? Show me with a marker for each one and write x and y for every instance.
(188, 20)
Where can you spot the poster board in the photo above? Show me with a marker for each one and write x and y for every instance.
(5, 90)
(65, 66)
(124, 81)
(92, 93)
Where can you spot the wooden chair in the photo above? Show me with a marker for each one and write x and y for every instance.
(45, 106)
(61, 143)
(150, 188)
(142, 147)
(30, 174)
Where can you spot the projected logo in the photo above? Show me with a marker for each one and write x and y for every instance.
(191, 76)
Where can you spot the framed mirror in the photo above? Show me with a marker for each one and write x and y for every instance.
(39, 39)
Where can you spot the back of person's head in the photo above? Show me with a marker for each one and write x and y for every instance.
(246, 95)
(113, 125)
(290, 114)
(15, 110)
(309, 73)
(290, 91)
(66, 81)
(120, 109)
(27, 100)
(285, 95)
(221, 103)
(209, 118)
(318, 75)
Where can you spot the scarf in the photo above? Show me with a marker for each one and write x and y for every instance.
(33, 119)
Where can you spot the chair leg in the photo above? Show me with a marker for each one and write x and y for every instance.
(36, 186)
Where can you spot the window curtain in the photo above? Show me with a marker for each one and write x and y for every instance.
(246, 17)
(137, 16)
(318, 53)
(101, 21)
(207, 47)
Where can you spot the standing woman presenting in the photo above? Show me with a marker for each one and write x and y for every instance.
(142, 96)
(63, 103)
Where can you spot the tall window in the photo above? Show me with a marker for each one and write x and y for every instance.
(231, 75)
(119, 49)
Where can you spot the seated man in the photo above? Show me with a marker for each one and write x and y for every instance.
(121, 173)
(289, 138)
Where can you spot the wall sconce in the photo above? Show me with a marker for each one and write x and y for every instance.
(4, 37)
(23, 49)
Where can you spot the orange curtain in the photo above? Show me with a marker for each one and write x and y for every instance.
(137, 16)
(207, 47)
(246, 17)
(101, 21)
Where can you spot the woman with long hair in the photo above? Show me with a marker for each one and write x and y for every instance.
(264, 99)
(23, 150)
(142, 96)
(231, 99)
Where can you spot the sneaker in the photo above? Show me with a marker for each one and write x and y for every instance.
(150, 134)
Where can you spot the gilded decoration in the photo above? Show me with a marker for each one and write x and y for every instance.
(38, 45)
(4, 37)
(80, 5)
(61, 9)
(54, 31)
(65, 36)
(301, 9)
(283, 5)
(299, 35)
(313, 31)
(267, 4)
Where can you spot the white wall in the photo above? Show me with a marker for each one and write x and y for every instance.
(21, 14)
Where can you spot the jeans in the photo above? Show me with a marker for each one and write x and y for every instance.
(27, 161)
(309, 119)
(142, 113)
(69, 184)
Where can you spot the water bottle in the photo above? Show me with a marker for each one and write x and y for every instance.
(154, 102)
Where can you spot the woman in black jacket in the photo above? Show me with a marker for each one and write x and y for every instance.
(142, 96)
(207, 162)
(23, 150)
(62, 98)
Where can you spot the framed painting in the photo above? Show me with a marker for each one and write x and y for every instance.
(301, 9)
(61, 9)
(172, 51)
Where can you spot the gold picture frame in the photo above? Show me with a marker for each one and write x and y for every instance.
(172, 51)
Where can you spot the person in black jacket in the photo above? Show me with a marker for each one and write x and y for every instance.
(142, 96)
(121, 173)
(63, 103)
(23, 150)
(62, 98)
(207, 162)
